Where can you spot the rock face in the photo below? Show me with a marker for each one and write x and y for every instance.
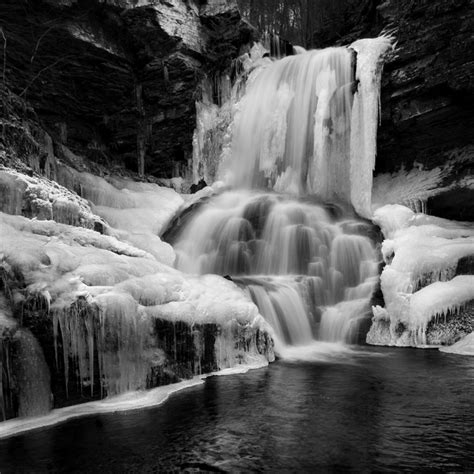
(428, 99)
(116, 81)
(428, 88)
(427, 94)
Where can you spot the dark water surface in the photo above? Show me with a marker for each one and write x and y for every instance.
(369, 410)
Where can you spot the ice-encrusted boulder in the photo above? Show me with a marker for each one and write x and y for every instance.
(96, 314)
(427, 282)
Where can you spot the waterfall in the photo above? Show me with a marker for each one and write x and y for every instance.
(310, 275)
(305, 126)
(293, 129)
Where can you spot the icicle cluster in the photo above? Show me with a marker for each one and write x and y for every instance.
(419, 282)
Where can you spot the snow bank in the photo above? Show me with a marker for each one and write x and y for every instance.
(131, 211)
(136, 212)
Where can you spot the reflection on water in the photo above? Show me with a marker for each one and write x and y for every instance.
(386, 410)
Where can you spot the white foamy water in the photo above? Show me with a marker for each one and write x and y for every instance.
(326, 352)
(311, 275)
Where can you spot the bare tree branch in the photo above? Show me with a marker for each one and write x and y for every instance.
(50, 66)
(39, 42)
(2, 33)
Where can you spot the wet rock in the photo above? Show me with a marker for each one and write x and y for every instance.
(465, 266)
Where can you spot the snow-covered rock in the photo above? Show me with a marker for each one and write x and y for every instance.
(107, 310)
(422, 283)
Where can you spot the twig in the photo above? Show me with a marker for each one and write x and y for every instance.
(23, 92)
(4, 55)
(39, 41)
(4, 92)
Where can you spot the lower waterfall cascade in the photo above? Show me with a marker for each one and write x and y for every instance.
(311, 276)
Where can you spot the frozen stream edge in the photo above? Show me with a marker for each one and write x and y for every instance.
(126, 402)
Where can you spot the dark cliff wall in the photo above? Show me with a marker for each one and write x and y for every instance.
(428, 82)
(117, 80)
(427, 92)
(428, 98)
(428, 86)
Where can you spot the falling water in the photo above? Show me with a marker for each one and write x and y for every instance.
(310, 275)
(294, 133)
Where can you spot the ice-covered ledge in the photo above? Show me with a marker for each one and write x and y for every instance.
(428, 293)
(100, 314)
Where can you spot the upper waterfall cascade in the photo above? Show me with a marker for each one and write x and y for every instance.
(292, 131)
(303, 125)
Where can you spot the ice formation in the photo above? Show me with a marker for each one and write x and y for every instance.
(30, 376)
(365, 118)
(413, 188)
(408, 188)
(108, 297)
(124, 402)
(214, 121)
(420, 283)
(42, 198)
(103, 297)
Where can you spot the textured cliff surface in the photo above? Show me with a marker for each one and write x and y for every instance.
(428, 96)
(117, 80)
